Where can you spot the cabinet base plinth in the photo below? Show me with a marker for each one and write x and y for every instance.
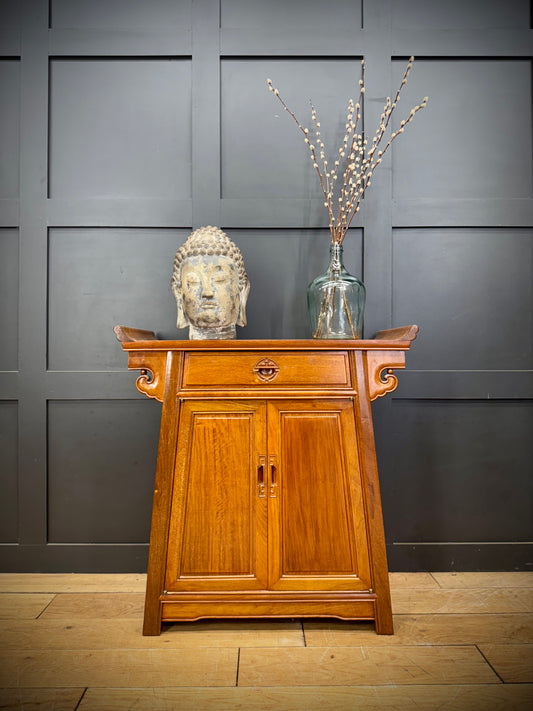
(190, 607)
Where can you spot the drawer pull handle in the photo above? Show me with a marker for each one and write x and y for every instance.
(266, 369)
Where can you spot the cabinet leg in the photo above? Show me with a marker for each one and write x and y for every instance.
(151, 629)
(152, 619)
(384, 624)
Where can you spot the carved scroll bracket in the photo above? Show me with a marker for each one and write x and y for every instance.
(151, 381)
(381, 379)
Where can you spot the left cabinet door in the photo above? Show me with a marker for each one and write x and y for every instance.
(218, 521)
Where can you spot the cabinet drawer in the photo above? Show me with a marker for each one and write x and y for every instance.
(301, 369)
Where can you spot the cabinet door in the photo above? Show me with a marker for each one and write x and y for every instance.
(217, 538)
(316, 518)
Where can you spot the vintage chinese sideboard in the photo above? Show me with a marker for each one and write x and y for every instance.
(267, 500)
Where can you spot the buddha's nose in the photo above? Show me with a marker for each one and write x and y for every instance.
(207, 289)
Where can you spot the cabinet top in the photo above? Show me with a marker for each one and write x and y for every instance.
(133, 339)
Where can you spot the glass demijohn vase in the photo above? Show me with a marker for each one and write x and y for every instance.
(336, 301)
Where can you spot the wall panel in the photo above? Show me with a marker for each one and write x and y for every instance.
(8, 469)
(458, 14)
(10, 14)
(449, 462)
(120, 14)
(101, 465)
(269, 158)
(9, 286)
(477, 314)
(120, 128)
(473, 140)
(102, 277)
(9, 127)
(281, 15)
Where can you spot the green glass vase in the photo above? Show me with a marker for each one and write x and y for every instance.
(336, 301)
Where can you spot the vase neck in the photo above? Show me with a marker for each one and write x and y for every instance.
(335, 252)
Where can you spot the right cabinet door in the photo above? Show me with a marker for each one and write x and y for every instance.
(317, 534)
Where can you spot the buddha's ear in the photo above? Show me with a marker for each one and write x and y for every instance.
(182, 321)
(243, 298)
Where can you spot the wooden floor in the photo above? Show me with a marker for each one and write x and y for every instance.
(463, 641)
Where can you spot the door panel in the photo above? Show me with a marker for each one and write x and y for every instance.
(218, 518)
(317, 536)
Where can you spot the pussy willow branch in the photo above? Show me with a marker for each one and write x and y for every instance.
(353, 210)
(305, 131)
(353, 160)
(322, 155)
(360, 163)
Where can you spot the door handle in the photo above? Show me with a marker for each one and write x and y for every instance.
(261, 464)
(273, 465)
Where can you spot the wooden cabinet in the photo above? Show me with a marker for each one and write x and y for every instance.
(266, 501)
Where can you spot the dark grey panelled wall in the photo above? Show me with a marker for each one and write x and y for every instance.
(125, 123)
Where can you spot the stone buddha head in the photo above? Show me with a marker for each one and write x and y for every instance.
(210, 285)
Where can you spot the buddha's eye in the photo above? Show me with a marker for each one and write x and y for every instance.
(192, 280)
(220, 278)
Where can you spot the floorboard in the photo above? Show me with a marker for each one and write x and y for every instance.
(341, 666)
(485, 580)
(412, 581)
(23, 607)
(424, 630)
(347, 698)
(41, 699)
(513, 662)
(95, 605)
(473, 601)
(72, 582)
(127, 634)
(119, 667)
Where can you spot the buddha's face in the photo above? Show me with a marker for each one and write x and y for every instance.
(210, 291)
